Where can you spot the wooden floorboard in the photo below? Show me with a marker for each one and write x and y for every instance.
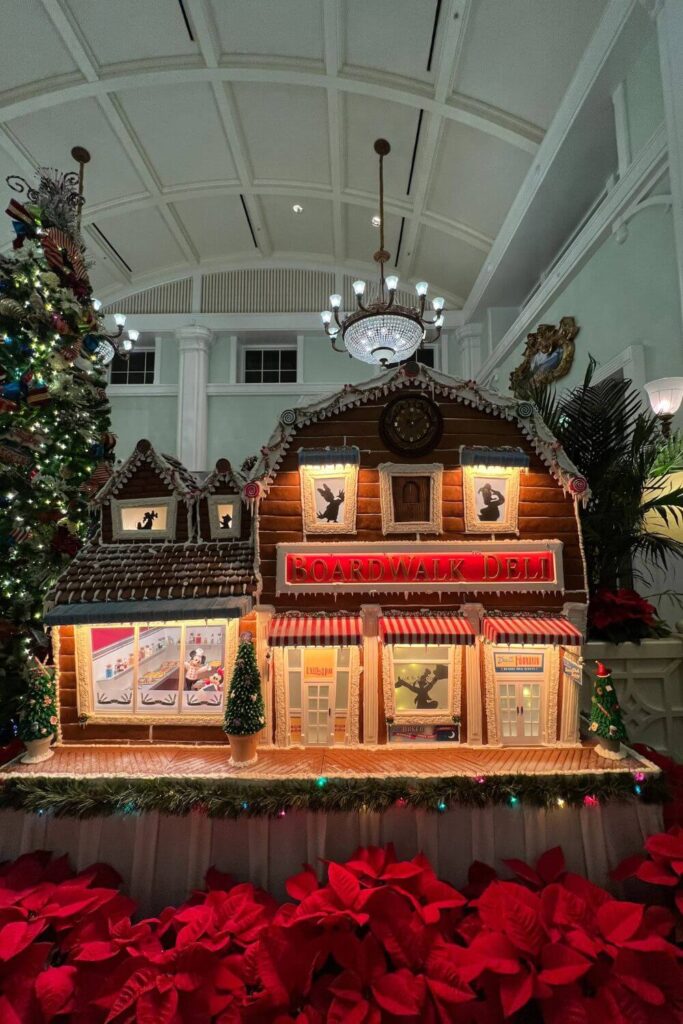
(164, 761)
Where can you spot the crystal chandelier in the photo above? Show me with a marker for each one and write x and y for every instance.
(383, 331)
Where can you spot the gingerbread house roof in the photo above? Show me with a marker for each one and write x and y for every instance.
(222, 476)
(172, 472)
(147, 573)
(469, 392)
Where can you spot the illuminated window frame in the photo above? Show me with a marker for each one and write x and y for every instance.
(387, 471)
(180, 716)
(118, 505)
(509, 521)
(214, 500)
(310, 476)
(444, 716)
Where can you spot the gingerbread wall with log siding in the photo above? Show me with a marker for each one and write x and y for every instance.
(545, 512)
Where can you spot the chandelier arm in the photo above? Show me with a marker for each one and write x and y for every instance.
(342, 350)
(337, 320)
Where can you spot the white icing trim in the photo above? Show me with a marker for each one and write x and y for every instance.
(508, 523)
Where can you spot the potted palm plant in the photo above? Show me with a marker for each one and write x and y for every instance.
(621, 451)
(628, 523)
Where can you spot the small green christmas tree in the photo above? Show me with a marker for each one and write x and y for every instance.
(244, 714)
(37, 706)
(606, 721)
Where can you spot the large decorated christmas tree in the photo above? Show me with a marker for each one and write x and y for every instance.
(55, 440)
(606, 722)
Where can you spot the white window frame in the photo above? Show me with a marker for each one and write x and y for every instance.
(245, 347)
(147, 347)
(387, 471)
(217, 533)
(118, 504)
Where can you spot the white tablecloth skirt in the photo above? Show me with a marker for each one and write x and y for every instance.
(162, 858)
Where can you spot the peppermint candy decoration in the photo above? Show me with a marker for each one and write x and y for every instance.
(578, 485)
(252, 490)
(288, 417)
(525, 410)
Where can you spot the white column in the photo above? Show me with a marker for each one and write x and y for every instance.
(468, 347)
(473, 692)
(669, 14)
(194, 343)
(264, 614)
(370, 616)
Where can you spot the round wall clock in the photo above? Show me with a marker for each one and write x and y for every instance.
(411, 424)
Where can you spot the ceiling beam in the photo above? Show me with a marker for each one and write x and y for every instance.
(384, 86)
(454, 16)
(207, 40)
(75, 44)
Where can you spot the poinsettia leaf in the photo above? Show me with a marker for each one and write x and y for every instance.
(155, 1007)
(197, 920)
(100, 876)
(628, 867)
(656, 874)
(7, 1012)
(95, 951)
(648, 992)
(524, 871)
(619, 921)
(344, 884)
(142, 981)
(551, 864)
(667, 845)
(400, 993)
(302, 885)
(561, 965)
(55, 988)
(401, 870)
(515, 991)
(16, 936)
(218, 880)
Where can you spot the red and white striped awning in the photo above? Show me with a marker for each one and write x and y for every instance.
(315, 631)
(531, 629)
(426, 629)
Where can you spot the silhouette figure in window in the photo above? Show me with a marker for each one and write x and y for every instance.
(492, 499)
(148, 520)
(226, 521)
(331, 513)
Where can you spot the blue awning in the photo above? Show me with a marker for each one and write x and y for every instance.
(346, 455)
(148, 611)
(494, 457)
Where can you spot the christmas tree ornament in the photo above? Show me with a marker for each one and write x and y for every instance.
(605, 721)
(244, 712)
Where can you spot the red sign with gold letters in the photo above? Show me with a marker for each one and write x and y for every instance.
(456, 566)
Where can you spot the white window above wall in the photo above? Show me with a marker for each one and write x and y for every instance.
(138, 368)
(269, 364)
(427, 356)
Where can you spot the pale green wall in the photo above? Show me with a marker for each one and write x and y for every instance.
(239, 425)
(170, 361)
(152, 417)
(323, 364)
(625, 294)
(644, 100)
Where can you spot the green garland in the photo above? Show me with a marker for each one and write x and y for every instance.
(235, 798)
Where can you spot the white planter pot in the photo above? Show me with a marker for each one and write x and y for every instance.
(648, 678)
(38, 750)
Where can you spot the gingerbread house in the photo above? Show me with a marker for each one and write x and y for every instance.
(406, 552)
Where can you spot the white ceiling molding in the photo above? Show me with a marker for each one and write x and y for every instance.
(643, 173)
(595, 58)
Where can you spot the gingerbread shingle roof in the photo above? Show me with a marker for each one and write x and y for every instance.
(148, 572)
(172, 472)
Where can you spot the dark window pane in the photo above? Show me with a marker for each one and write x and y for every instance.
(136, 377)
(271, 359)
(426, 357)
(252, 376)
(271, 376)
(288, 376)
(119, 376)
(288, 361)
(252, 359)
(149, 376)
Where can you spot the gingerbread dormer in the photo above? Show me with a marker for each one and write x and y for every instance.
(221, 512)
(149, 498)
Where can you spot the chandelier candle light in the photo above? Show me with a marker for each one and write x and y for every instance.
(383, 331)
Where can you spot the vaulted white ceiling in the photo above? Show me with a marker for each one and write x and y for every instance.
(208, 119)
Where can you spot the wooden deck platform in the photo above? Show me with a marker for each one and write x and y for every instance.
(212, 762)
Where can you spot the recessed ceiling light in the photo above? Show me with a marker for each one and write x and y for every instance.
(298, 208)
(376, 221)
